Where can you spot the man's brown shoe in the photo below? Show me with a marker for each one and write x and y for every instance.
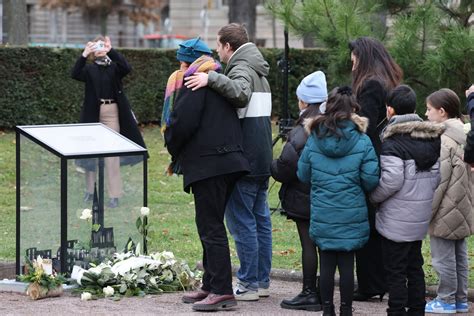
(195, 296)
(214, 302)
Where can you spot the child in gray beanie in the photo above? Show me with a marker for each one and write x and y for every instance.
(294, 195)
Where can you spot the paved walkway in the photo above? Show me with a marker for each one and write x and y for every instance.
(166, 304)
(285, 284)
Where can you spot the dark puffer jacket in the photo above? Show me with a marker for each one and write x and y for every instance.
(294, 195)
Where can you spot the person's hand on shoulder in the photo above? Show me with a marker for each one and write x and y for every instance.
(196, 81)
(88, 49)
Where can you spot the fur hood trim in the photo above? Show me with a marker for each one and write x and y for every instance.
(360, 122)
(416, 129)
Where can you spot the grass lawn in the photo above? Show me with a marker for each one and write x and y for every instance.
(172, 212)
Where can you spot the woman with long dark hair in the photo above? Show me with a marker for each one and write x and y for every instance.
(374, 74)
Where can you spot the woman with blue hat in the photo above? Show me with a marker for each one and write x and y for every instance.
(203, 135)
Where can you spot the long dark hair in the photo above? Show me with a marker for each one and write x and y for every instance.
(340, 106)
(374, 62)
(448, 100)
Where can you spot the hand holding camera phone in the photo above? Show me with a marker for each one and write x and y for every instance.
(99, 46)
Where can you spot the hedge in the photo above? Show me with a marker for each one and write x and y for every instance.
(36, 87)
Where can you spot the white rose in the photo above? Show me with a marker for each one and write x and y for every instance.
(86, 214)
(108, 291)
(85, 296)
(145, 211)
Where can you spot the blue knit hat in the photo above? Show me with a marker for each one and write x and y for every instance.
(191, 50)
(313, 88)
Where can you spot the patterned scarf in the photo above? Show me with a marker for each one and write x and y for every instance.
(103, 61)
(175, 83)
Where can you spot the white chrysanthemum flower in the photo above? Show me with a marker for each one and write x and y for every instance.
(85, 296)
(108, 291)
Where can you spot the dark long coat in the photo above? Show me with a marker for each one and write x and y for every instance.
(205, 136)
(89, 73)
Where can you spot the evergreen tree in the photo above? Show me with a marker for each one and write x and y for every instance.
(434, 44)
(333, 23)
(432, 40)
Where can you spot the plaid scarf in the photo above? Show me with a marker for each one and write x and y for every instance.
(103, 61)
(175, 83)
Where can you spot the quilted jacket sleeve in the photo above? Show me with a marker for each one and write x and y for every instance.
(391, 179)
(284, 168)
(304, 165)
(369, 173)
(446, 163)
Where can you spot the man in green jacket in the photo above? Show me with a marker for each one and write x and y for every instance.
(247, 214)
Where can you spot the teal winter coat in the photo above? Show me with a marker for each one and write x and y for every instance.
(340, 170)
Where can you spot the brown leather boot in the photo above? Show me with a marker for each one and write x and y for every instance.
(214, 302)
(195, 296)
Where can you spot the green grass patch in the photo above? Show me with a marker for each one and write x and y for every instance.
(172, 213)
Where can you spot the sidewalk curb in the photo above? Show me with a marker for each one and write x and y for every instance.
(297, 276)
(7, 270)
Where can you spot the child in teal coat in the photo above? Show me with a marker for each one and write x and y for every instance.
(340, 163)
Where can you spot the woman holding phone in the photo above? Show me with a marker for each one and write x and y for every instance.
(105, 102)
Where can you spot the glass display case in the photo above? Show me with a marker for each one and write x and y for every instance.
(79, 190)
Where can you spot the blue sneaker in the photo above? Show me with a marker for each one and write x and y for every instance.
(438, 307)
(462, 307)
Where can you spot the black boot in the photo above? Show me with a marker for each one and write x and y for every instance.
(306, 300)
(345, 310)
(328, 309)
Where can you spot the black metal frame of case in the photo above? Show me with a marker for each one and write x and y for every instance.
(20, 130)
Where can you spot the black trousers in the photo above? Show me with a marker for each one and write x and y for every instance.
(344, 261)
(405, 277)
(210, 198)
(369, 261)
(309, 255)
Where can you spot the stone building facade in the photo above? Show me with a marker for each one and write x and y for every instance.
(186, 18)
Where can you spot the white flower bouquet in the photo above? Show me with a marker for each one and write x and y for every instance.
(133, 275)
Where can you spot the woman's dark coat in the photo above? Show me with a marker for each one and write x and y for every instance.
(205, 136)
(294, 195)
(372, 98)
(90, 74)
